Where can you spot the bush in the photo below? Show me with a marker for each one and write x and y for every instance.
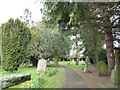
(53, 72)
(102, 55)
(13, 79)
(15, 38)
(36, 84)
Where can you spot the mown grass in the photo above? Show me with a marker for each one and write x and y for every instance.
(54, 81)
(73, 64)
(31, 70)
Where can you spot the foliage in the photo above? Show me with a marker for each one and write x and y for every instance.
(72, 18)
(91, 20)
(57, 80)
(15, 38)
(10, 80)
(72, 65)
(48, 82)
(55, 42)
(101, 55)
(34, 46)
(37, 83)
(53, 72)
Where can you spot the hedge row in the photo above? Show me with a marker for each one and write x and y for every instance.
(13, 79)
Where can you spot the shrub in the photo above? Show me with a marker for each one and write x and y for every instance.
(102, 55)
(13, 79)
(15, 38)
(36, 84)
(53, 72)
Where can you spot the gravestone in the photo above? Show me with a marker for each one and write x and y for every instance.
(77, 61)
(73, 61)
(51, 61)
(86, 65)
(82, 61)
(69, 60)
(41, 67)
(102, 69)
(115, 76)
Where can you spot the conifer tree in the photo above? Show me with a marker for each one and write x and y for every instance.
(15, 38)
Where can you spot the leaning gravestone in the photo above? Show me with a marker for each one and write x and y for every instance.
(102, 69)
(115, 77)
(41, 66)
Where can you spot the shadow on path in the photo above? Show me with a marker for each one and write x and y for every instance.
(73, 79)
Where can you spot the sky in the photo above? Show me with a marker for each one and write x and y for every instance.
(15, 9)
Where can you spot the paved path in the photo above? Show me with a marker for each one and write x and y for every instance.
(73, 79)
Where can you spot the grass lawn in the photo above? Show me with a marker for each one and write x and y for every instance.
(54, 81)
(73, 64)
(31, 70)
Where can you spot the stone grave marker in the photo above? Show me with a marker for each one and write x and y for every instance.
(86, 65)
(51, 61)
(73, 61)
(77, 61)
(41, 67)
(115, 76)
(102, 69)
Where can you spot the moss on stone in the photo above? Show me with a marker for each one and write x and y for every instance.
(102, 69)
(115, 77)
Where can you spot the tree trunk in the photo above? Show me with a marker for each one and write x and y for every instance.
(34, 61)
(56, 60)
(109, 41)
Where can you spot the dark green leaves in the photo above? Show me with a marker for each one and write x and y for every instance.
(15, 37)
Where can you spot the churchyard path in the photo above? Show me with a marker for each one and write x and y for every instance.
(73, 79)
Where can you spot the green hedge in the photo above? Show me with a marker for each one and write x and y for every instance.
(13, 79)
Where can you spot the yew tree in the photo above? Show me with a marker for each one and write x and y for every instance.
(77, 17)
(15, 38)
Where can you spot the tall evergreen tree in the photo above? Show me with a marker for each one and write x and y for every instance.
(78, 16)
(15, 38)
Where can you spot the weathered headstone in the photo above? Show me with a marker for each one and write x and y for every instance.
(115, 77)
(73, 61)
(102, 69)
(41, 66)
(86, 65)
(51, 61)
(77, 61)
(82, 61)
